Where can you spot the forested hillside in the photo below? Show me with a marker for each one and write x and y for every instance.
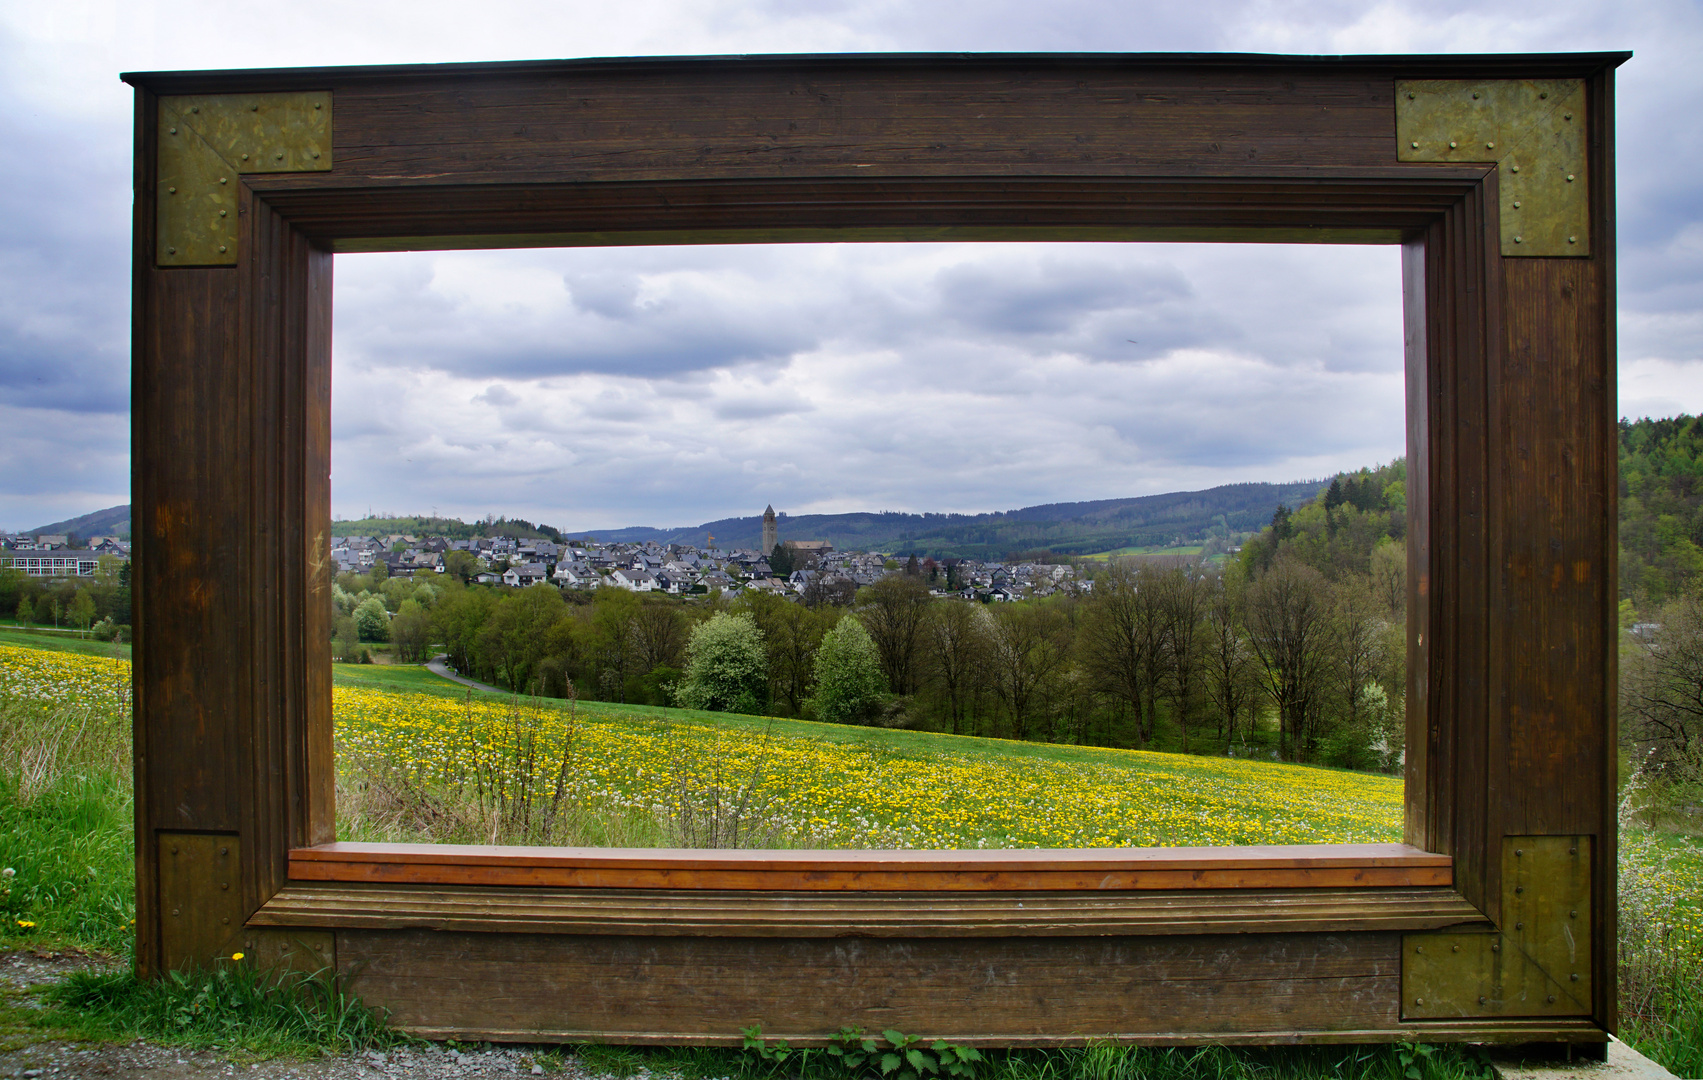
(1661, 508)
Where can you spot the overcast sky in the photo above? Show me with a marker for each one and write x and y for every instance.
(668, 386)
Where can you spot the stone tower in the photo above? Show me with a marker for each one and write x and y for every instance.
(769, 531)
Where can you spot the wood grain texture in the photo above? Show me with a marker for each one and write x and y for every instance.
(1324, 866)
(1510, 370)
(674, 912)
(1009, 991)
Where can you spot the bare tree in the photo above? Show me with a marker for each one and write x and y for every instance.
(1182, 599)
(957, 635)
(1288, 619)
(1028, 645)
(892, 611)
(1359, 638)
(1121, 641)
(1229, 663)
(1662, 692)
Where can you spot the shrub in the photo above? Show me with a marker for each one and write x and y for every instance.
(727, 666)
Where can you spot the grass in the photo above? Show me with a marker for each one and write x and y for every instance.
(450, 765)
(61, 641)
(233, 1005)
(1096, 1062)
(65, 832)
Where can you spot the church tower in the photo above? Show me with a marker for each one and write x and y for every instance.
(769, 531)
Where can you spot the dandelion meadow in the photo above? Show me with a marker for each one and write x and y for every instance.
(824, 785)
(816, 784)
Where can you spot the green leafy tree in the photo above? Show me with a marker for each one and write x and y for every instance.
(781, 561)
(462, 565)
(82, 610)
(26, 611)
(411, 633)
(849, 679)
(372, 622)
(727, 665)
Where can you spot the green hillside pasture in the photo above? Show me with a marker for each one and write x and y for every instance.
(826, 785)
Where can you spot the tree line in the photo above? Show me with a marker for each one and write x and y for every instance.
(1294, 649)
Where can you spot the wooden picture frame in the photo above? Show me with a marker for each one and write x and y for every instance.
(1495, 921)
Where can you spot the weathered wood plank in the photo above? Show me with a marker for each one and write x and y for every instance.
(840, 914)
(1009, 991)
(1324, 866)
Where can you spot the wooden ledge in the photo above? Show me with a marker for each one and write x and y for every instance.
(1333, 866)
(707, 913)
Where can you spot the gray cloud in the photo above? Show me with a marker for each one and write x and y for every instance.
(677, 384)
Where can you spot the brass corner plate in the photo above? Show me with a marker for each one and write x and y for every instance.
(1532, 129)
(1538, 964)
(206, 142)
(200, 902)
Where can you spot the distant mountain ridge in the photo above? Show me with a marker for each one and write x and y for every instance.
(1079, 528)
(1072, 528)
(113, 521)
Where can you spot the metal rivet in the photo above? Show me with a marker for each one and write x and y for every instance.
(1453, 144)
(1410, 96)
(224, 884)
(221, 249)
(223, 213)
(245, 157)
(1413, 145)
(1516, 168)
(316, 153)
(1572, 851)
(174, 913)
(1519, 239)
(174, 131)
(1566, 116)
(280, 156)
(195, 108)
(1475, 95)
(255, 107)
(1574, 914)
(1490, 146)
(1419, 1001)
(1574, 976)
(1552, 999)
(171, 251)
(224, 180)
(1419, 948)
(1519, 926)
(1569, 178)
(1544, 94)
(1519, 852)
(318, 104)
(1454, 948)
(171, 191)
(1516, 204)
(226, 920)
(1496, 947)
(1572, 239)
(1482, 999)
(1519, 888)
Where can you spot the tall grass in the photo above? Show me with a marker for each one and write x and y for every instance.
(1661, 930)
(67, 873)
(519, 780)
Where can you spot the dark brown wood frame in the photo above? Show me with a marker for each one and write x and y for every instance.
(1512, 495)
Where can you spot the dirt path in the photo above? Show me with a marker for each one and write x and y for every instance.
(437, 666)
(24, 974)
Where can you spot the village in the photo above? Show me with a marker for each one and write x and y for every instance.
(819, 572)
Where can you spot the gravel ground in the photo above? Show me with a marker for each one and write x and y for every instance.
(23, 973)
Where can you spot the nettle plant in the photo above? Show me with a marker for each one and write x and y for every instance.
(853, 1055)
